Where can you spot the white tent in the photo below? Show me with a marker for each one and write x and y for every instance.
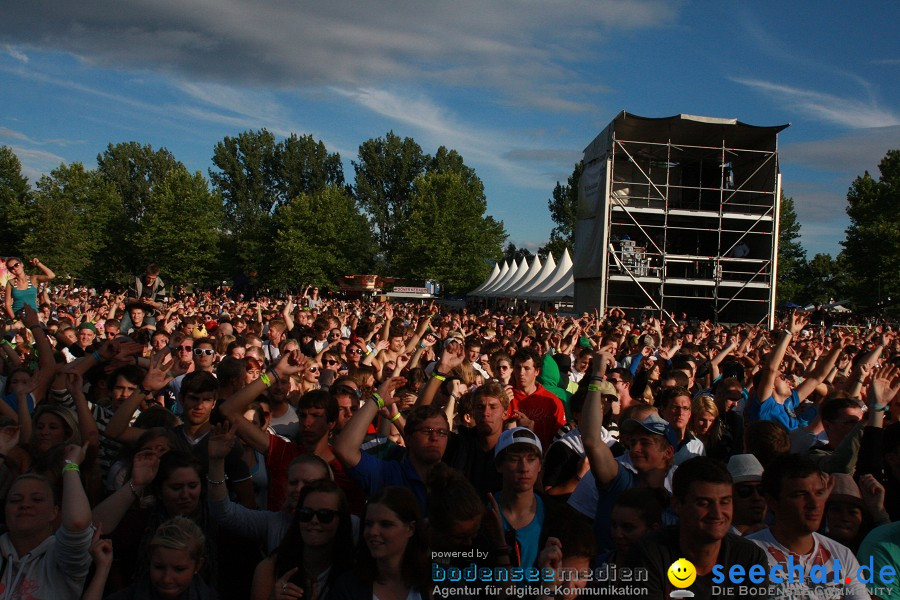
(495, 272)
(533, 272)
(546, 271)
(513, 281)
(548, 289)
(503, 271)
(513, 269)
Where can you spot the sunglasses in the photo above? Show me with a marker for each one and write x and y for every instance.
(184, 348)
(324, 515)
(354, 351)
(331, 363)
(614, 381)
(8, 266)
(745, 490)
(430, 431)
(206, 351)
(312, 370)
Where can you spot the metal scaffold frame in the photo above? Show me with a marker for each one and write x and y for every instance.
(689, 210)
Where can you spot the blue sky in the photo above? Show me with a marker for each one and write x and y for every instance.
(519, 88)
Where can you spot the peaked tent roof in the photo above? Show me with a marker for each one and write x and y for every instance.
(503, 271)
(533, 272)
(513, 281)
(513, 269)
(545, 272)
(551, 283)
(494, 273)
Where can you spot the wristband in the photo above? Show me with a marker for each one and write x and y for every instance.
(421, 345)
(378, 399)
(264, 377)
(880, 407)
(438, 376)
(213, 482)
(71, 466)
(396, 418)
(593, 387)
(134, 491)
(96, 356)
(275, 377)
(144, 390)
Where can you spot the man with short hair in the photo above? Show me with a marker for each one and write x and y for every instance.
(518, 459)
(650, 445)
(426, 434)
(796, 491)
(622, 380)
(471, 450)
(532, 399)
(702, 499)
(675, 407)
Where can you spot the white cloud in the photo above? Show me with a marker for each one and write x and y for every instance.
(826, 107)
(16, 54)
(522, 48)
(849, 155)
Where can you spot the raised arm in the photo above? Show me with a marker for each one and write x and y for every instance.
(46, 364)
(46, 274)
(76, 510)
(87, 425)
(346, 446)
(818, 375)
(237, 404)
(767, 383)
(451, 358)
(603, 463)
(110, 511)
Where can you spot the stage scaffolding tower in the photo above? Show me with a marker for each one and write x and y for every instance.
(679, 216)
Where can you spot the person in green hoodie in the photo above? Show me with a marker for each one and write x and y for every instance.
(555, 382)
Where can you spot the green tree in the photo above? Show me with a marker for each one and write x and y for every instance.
(792, 268)
(14, 200)
(563, 204)
(320, 237)
(247, 179)
(181, 228)
(513, 254)
(447, 236)
(305, 167)
(69, 221)
(134, 170)
(386, 173)
(820, 280)
(872, 244)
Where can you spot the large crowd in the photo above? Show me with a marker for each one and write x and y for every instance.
(211, 445)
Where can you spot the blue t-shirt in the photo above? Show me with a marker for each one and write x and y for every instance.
(10, 399)
(528, 538)
(786, 414)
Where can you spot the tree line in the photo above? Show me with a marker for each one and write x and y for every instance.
(276, 213)
(865, 271)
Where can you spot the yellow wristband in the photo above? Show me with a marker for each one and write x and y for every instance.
(593, 387)
(264, 377)
(396, 417)
(71, 467)
(378, 399)
(438, 376)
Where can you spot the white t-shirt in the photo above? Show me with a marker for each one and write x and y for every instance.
(287, 425)
(824, 553)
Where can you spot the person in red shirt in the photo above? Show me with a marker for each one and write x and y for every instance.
(542, 411)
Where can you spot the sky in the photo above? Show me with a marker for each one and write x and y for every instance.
(517, 87)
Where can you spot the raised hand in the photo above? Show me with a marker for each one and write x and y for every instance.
(221, 440)
(75, 453)
(101, 550)
(885, 385)
(290, 364)
(159, 374)
(798, 322)
(386, 390)
(284, 589)
(144, 467)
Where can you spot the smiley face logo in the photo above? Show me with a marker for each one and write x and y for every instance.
(682, 573)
